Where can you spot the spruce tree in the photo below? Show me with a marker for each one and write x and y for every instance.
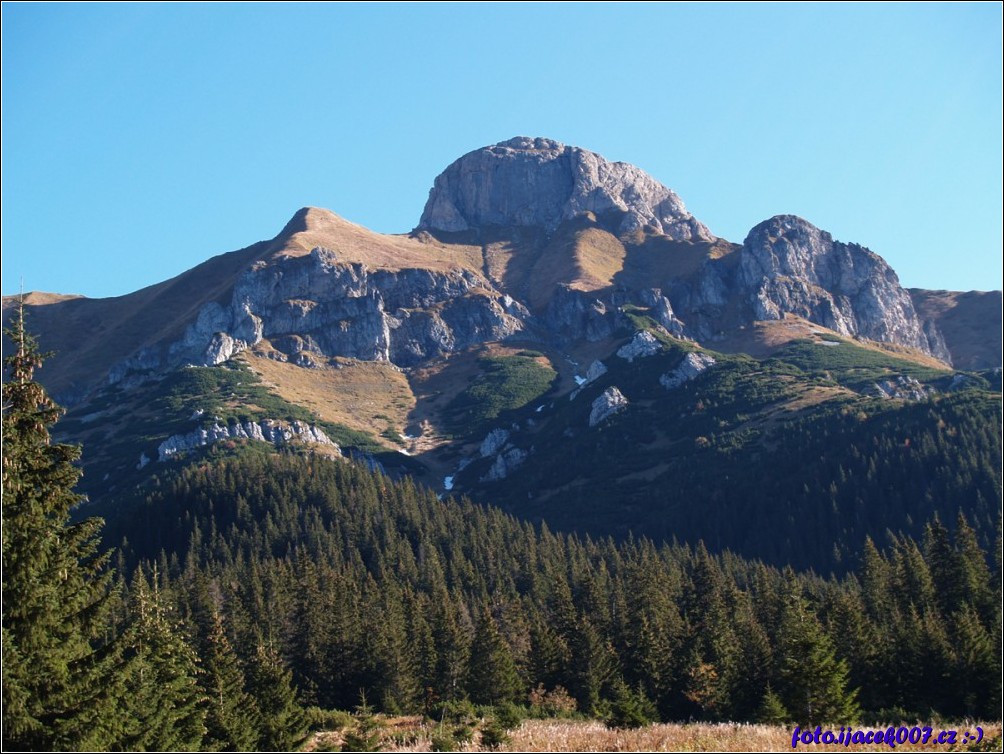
(492, 676)
(772, 711)
(231, 715)
(974, 579)
(60, 680)
(164, 708)
(283, 721)
(813, 680)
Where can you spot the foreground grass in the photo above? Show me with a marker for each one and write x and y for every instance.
(594, 736)
(411, 734)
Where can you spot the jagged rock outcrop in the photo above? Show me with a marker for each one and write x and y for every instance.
(610, 402)
(596, 370)
(903, 387)
(572, 315)
(540, 182)
(494, 441)
(970, 323)
(661, 310)
(693, 364)
(505, 464)
(325, 287)
(267, 430)
(317, 304)
(789, 266)
(642, 345)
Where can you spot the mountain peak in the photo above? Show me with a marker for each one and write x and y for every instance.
(527, 181)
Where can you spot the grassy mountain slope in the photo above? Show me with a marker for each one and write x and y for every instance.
(970, 322)
(793, 458)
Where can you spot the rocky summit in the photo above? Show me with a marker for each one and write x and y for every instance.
(540, 182)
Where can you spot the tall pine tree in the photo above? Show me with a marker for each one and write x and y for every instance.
(59, 681)
(283, 721)
(492, 677)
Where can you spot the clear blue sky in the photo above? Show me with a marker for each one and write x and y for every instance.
(139, 140)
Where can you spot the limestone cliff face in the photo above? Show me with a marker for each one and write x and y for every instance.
(969, 321)
(317, 304)
(540, 182)
(788, 265)
(268, 430)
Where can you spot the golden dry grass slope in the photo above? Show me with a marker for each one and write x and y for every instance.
(411, 734)
(762, 339)
(370, 396)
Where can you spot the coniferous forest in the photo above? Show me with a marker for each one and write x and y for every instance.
(234, 603)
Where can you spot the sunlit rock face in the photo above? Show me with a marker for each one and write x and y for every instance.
(788, 265)
(540, 182)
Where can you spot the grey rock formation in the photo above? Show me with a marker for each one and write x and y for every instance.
(693, 364)
(315, 307)
(642, 345)
(267, 430)
(319, 305)
(611, 401)
(494, 441)
(596, 370)
(969, 322)
(788, 265)
(505, 463)
(540, 182)
(574, 315)
(661, 310)
(963, 382)
(903, 388)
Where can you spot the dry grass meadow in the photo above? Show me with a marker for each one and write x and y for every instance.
(410, 734)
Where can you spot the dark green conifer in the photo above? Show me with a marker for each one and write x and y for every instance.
(231, 713)
(283, 721)
(977, 672)
(60, 679)
(974, 576)
(772, 711)
(365, 733)
(813, 681)
(164, 707)
(492, 677)
(630, 708)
